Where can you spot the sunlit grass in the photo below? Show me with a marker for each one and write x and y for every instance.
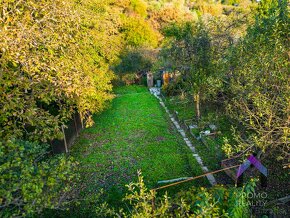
(134, 134)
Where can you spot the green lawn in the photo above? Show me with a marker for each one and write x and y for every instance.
(134, 133)
(184, 107)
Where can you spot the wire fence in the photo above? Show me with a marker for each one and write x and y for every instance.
(70, 131)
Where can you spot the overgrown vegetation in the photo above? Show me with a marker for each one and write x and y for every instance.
(230, 66)
(31, 179)
(248, 84)
(190, 51)
(253, 87)
(196, 202)
(260, 85)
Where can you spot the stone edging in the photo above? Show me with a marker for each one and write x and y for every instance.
(210, 177)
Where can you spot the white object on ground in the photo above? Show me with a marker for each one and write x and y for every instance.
(174, 180)
(206, 132)
(155, 91)
(212, 127)
(193, 126)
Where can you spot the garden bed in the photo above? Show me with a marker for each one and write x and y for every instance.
(208, 146)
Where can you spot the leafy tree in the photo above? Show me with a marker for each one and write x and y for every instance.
(191, 52)
(266, 7)
(135, 61)
(140, 7)
(168, 13)
(54, 61)
(259, 83)
(138, 32)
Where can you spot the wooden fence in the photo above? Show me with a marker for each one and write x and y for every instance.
(70, 131)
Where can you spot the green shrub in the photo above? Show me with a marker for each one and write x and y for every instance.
(30, 180)
(175, 87)
(260, 83)
(217, 201)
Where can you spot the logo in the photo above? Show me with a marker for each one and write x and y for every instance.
(252, 161)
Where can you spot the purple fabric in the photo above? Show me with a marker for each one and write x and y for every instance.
(252, 160)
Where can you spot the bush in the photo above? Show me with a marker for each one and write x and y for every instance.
(259, 83)
(30, 180)
(175, 87)
(129, 79)
(197, 202)
(54, 57)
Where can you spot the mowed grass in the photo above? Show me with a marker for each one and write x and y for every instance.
(134, 134)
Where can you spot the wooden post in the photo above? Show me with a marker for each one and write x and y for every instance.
(153, 202)
(76, 127)
(197, 105)
(149, 79)
(82, 122)
(64, 139)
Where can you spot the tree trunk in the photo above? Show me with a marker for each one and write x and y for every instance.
(197, 105)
